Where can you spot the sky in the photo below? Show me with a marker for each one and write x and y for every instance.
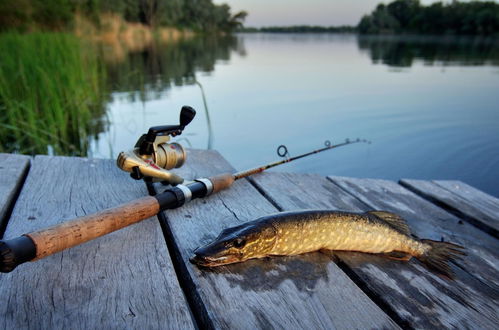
(309, 12)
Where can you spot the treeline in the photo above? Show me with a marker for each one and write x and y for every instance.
(410, 16)
(198, 15)
(301, 29)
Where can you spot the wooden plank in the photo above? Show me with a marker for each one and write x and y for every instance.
(473, 205)
(303, 292)
(432, 222)
(475, 293)
(122, 280)
(415, 296)
(13, 169)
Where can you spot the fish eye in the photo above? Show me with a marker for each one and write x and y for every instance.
(239, 242)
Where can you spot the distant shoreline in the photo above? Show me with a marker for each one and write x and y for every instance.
(400, 17)
(304, 29)
(300, 29)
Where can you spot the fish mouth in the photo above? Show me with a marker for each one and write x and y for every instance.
(208, 261)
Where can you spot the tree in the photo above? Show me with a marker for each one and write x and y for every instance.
(409, 16)
(403, 11)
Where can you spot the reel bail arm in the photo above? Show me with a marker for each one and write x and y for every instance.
(153, 156)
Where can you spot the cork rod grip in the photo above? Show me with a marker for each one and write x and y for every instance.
(222, 181)
(71, 233)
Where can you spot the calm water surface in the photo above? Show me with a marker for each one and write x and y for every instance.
(430, 106)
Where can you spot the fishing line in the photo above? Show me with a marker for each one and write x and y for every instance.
(207, 114)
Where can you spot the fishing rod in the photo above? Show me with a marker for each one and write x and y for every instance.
(149, 160)
(282, 151)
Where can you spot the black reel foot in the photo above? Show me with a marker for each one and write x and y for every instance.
(136, 173)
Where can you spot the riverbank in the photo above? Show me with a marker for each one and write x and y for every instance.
(62, 16)
(55, 87)
(115, 30)
(50, 93)
(120, 37)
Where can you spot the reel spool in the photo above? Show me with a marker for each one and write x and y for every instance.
(153, 156)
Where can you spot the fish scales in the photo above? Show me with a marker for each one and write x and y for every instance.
(339, 231)
(292, 233)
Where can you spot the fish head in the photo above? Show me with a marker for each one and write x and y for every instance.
(237, 244)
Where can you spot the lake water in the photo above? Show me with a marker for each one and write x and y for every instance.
(430, 106)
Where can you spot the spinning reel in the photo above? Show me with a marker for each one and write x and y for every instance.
(153, 156)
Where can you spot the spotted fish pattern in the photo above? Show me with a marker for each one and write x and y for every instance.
(292, 233)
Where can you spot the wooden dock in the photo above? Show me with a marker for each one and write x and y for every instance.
(140, 277)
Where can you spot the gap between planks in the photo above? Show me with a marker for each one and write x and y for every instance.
(468, 215)
(201, 285)
(196, 306)
(430, 201)
(289, 200)
(121, 280)
(9, 198)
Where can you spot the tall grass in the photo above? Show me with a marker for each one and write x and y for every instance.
(51, 96)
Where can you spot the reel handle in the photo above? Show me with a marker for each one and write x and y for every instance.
(187, 114)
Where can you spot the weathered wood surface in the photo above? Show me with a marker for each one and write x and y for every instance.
(307, 291)
(127, 279)
(473, 205)
(123, 280)
(430, 221)
(13, 170)
(473, 298)
(408, 291)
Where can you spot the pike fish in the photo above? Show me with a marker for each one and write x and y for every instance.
(292, 233)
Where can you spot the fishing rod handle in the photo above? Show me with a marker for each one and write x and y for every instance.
(45, 242)
(71, 233)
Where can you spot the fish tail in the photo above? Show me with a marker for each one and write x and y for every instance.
(439, 254)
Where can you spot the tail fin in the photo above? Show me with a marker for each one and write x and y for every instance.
(439, 255)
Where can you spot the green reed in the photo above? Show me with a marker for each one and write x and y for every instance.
(51, 94)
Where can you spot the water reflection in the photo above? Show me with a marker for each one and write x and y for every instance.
(402, 51)
(325, 85)
(145, 73)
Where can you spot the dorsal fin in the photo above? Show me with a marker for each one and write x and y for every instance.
(394, 220)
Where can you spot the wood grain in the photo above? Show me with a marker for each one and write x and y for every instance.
(122, 280)
(432, 222)
(13, 170)
(303, 292)
(408, 291)
(473, 205)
